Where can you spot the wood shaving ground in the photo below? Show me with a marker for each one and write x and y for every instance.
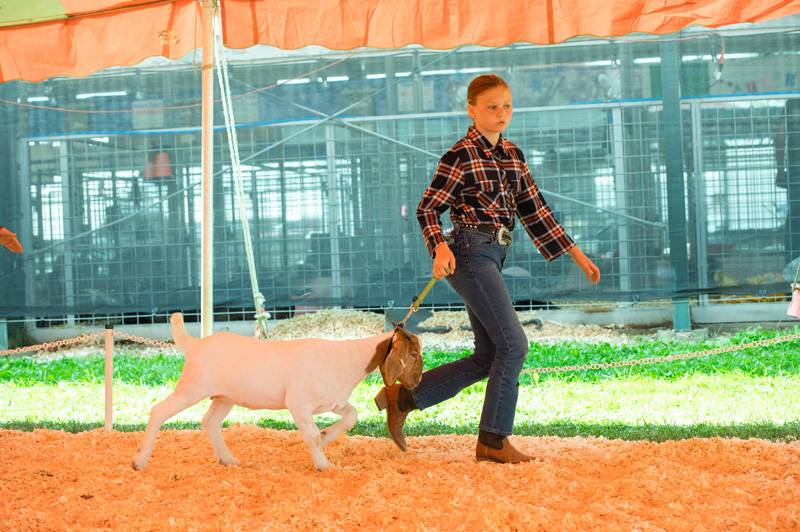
(52, 480)
(550, 332)
(358, 324)
(339, 324)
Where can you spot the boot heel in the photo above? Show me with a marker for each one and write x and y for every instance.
(380, 400)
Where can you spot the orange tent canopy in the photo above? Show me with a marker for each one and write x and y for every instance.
(77, 37)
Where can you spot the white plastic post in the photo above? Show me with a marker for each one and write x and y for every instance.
(109, 373)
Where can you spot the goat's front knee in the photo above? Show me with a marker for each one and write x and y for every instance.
(348, 421)
(311, 434)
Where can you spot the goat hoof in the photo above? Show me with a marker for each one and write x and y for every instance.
(230, 462)
(136, 466)
(380, 400)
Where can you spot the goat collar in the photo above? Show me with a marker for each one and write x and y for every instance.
(397, 327)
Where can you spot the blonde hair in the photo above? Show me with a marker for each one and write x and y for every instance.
(483, 83)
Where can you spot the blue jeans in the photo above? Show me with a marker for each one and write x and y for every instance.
(500, 341)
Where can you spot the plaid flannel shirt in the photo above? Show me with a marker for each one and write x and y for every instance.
(484, 184)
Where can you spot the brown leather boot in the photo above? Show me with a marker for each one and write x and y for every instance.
(506, 455)
(395, 418)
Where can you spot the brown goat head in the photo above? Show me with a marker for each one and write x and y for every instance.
(404, 361)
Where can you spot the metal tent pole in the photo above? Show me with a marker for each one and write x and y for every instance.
(672, 138)
(207, 225)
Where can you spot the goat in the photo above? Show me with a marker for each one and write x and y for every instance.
(305, 376)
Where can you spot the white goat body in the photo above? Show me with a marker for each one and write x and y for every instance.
(305, 376)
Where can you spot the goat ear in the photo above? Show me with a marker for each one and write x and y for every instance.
(392, 367)
(379, 356)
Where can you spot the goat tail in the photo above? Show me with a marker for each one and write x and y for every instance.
(183, 340)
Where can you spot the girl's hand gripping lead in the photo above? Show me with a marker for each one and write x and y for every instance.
(444, 262)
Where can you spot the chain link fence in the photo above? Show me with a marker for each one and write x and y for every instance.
(104, 173)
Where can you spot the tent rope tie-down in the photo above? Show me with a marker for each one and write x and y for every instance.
(261, 315)
(94, 337)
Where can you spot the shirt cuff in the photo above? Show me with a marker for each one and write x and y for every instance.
(552, 252)
(434, 240)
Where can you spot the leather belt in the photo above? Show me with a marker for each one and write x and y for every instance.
(501, 234)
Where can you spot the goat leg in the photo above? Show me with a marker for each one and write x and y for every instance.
(212, 424)
(348, 421)
(311, 434)
(173, 404)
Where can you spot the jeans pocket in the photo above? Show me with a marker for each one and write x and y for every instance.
(477, 239)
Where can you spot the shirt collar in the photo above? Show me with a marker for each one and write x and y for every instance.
(478, 139)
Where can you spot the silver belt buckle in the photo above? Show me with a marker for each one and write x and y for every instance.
(504, 236)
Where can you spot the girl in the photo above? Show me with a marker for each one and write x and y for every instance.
(485, 182)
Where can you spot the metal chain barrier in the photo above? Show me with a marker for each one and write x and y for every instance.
(668, 358)
(143, 340)
(84, 338)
